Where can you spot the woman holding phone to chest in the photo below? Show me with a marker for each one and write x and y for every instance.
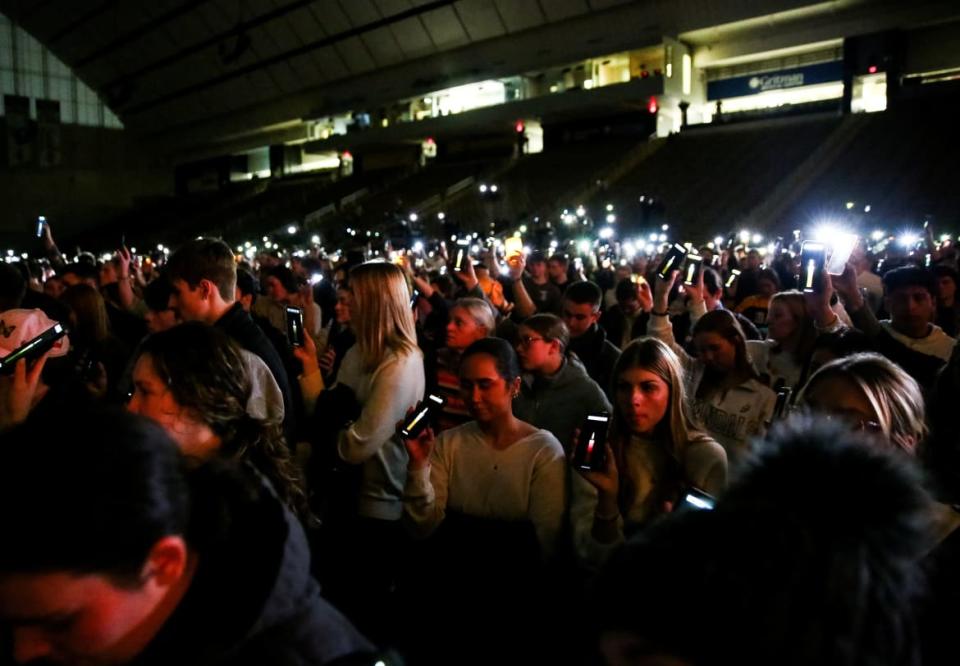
(495, 466)
(653, 451)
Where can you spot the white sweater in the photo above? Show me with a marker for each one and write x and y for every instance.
(385, 395)
(525, 481)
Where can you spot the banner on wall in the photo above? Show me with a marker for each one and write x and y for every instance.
(753, 84)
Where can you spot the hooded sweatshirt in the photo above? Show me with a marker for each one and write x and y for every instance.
(561, 402)
(253, 600)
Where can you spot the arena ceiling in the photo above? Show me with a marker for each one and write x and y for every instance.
(192, 73)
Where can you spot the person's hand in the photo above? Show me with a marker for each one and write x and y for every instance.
(697, 291)
(645, 296)
(123, 259)
(517, 264)
(327, 359)
(20, 391)
(47, 236)
(661, 291)
(307, 355)
(467, 274)
(818, 302)
(846, 286)
(418, 447)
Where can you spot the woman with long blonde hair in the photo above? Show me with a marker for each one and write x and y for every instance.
(780, 360)
(384, 371)
(654, 450)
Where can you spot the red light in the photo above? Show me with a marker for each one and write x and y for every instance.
(652, 105)
(430, 140)
(519, 127)
(644, 74)
(347, 155)
(872, 69)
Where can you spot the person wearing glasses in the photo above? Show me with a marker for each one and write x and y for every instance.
(876, 396)
(556, 393)
(872, 394)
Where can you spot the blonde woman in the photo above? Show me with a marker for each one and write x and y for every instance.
(653, 451)
(384, 370)
(871, 394)
(791, 334)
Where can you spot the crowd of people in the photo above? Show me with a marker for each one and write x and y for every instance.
(189, 478)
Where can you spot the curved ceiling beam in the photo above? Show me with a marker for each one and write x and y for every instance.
(267, 62)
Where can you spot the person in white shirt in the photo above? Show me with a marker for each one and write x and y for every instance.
(495, 466)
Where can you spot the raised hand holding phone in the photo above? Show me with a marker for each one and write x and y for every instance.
(307, 355)
(661, 292)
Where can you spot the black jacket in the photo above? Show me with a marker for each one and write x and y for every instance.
(599, 356)
(238, 324)
(253, 600)
(613, 322)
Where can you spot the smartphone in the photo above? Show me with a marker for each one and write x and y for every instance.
(691, 269)
(413, 297)
(926, 260)
(694, 498)
(422, 416)
(732, 278)
(295, 332)
(463, 247)
(672, 261)
(513, 246)
(40, 222)
(591, 451)
(783, 400)
(812, 257)
(33, 349)
(842, 249)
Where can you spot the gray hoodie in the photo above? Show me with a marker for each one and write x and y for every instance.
(560, 403)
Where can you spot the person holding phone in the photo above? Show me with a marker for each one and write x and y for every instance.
(725, 393)
(495, 466)
(384, 371)
(556, 393)
(653, 450)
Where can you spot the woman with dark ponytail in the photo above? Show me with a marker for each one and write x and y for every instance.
(198, 385)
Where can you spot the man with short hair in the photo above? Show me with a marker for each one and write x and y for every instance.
(533, 293)
(203, 276)
(118, 556)
(908, 338)
(588, 340)
(558, 267)
(712, 300)
(626, 320)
